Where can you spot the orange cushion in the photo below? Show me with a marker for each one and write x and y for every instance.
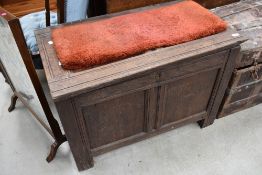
(94, 43)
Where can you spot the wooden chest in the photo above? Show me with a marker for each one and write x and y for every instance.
(243, 91)
(246, 18)
(120, 103)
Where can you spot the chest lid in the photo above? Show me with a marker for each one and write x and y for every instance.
(67, 83)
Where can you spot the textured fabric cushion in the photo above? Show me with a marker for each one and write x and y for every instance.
(88, 44)
(76, 10)
(34, 21)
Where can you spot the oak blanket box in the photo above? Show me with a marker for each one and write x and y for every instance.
(116, 104)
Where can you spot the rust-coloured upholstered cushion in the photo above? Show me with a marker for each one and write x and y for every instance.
(89, 44)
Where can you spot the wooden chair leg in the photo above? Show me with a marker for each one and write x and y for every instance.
(4, 75)
(6, 79)
(13, 103)
(205, 123)
(54, 148)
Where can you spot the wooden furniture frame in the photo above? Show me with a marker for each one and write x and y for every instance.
(117, 104)
(54, 129)
(102, 7)
(60, 15)
(21, 8)
(47, 8)
(61, 11)
(245, 87)
(245, 90)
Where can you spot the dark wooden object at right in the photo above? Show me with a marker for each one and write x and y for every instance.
(245, 87)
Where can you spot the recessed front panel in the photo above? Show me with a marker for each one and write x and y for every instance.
(188, 96)
(115, 119)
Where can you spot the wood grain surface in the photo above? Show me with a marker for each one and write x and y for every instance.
(20, 8)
